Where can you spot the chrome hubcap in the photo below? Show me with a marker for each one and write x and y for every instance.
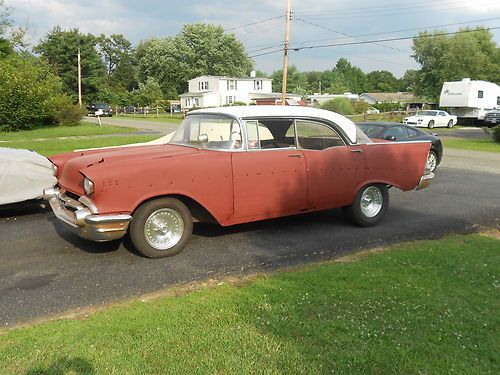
(431, 162)
(164, 228)
(371, 201)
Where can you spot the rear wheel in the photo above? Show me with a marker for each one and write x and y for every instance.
(161, 227)
(431, 161)
(369, 205)
(450, 124)
(430, 125)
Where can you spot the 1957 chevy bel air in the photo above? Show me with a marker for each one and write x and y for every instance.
(232, 165)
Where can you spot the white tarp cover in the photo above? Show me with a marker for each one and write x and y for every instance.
(23, 175)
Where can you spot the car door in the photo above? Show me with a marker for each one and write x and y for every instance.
(442, 119)
(334, 169)
(270, 178)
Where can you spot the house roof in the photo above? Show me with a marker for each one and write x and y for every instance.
(405, 97)
(235, 78)
(196, 93)
(254, 111)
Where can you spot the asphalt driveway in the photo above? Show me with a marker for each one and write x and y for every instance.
(44, 269)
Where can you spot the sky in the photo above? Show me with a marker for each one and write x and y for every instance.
(314, 22)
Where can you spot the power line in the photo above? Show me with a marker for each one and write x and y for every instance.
(350, 36)
(439, 7)
(267, 53)
(403, 30)
(381, 7)
(296, 49)
(253, 23)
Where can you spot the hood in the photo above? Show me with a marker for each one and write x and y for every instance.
(76, 165)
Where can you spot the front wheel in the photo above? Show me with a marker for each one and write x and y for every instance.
(161, 227)
(430, 125)
(369, 205)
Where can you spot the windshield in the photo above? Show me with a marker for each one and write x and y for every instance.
(209, 132)
(427, 113)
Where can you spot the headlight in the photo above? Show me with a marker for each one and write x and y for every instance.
(55, 169)
(88, 186)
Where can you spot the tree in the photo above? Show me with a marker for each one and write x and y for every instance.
(339, 105)
(409, 80)
(113, 49)
(199, 49)
(148, 93)
(381, 81)
(29, 93)
(449, 58)
(5, 21)
(345, 77)
(296, 81)
(60, 48)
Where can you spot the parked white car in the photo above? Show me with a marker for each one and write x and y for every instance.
(431, 119)
(24, 175)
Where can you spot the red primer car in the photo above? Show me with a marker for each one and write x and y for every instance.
(232, 165)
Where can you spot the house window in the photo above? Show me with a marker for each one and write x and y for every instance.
(480, 94)
(188, 102)
(203, 86)
(498, 100)
(197, 102)
(232, 85)
(257, 85)
(229, 99)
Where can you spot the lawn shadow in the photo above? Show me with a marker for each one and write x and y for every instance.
(77, 366)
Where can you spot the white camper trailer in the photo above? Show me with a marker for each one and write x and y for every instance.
(468, 99)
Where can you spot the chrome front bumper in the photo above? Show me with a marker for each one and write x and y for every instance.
(425, 181)
(83, 218)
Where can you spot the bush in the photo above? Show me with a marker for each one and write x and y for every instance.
(28, 91)
(339, 105)
(67, 114)
(389, 107)
(360, 107)
(496, 134)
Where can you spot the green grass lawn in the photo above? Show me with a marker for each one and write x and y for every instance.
(83, 129)
(472, 144)
(428, 307)
(377, 117)
(175, 119)
(58, 146)
(56, 140)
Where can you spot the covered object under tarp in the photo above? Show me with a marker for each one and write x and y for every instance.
(23, 175)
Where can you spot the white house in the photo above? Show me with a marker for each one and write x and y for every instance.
(470, 99)
(216, 91)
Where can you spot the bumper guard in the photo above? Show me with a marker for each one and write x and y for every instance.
(82, 217)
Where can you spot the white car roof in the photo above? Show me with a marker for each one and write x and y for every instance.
(281, 111)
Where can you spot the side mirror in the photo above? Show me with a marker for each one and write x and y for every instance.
(390, 138)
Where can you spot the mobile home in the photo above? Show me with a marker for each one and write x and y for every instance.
(470, 100)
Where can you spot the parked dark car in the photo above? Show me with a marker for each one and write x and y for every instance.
(492, 118)
(394, 131)
(94, 107)
(129, 109)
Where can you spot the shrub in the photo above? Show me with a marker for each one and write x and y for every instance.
(389, 107)
(496, 134)
(28, 91)
(67, 114)
(339, 105)
(360, 107)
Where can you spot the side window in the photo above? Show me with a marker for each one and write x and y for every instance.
(412, 132)
(480, 94)
(270, 133)
(316, 136)
(442, 114)
(396, 131)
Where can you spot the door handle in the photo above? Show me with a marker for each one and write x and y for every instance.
(295, 155)
(357, 150)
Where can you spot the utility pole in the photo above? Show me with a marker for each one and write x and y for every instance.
(287, 46)
(79, 79)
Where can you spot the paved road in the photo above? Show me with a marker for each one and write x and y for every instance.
(137, 123)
